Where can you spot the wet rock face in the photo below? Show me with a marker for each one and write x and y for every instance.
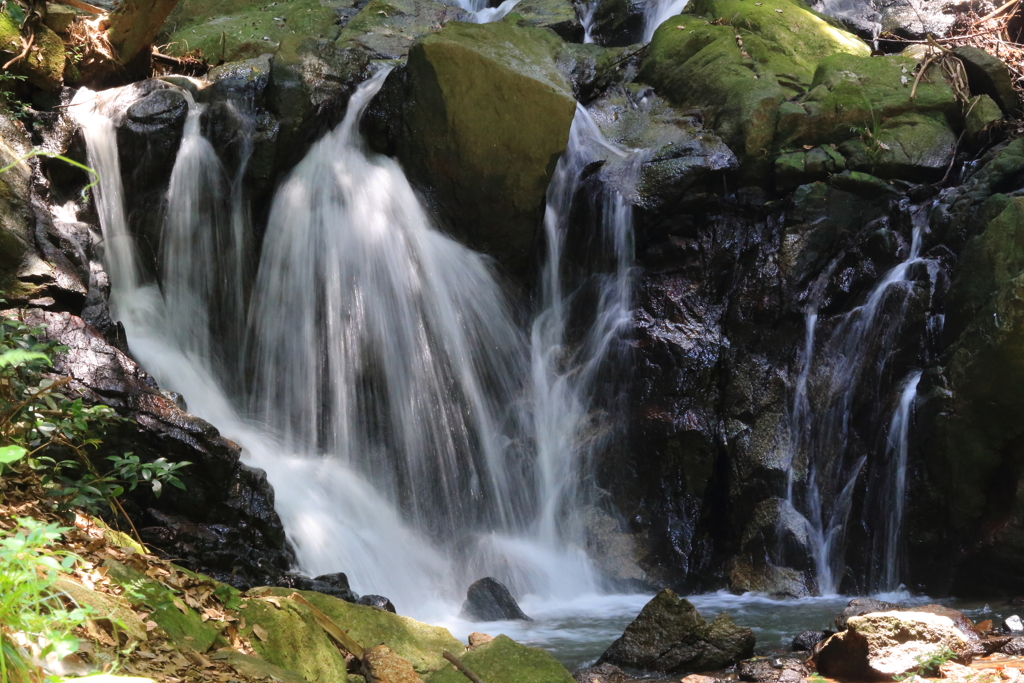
(774, 670)
(670, 635)
(881, 645)
(489, 600)
(223, 524)
(806, 640)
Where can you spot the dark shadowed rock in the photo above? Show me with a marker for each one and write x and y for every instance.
(377, 602)
(602, 673)
(670, 635)
(774, 670)
(489, 600)
(989, 76)
(859, 606)
(805, 641)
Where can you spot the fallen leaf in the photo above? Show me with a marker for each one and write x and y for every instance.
(260, 632)
(680, 27)
(180, 605)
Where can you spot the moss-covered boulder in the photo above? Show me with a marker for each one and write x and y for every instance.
(982, 119)
(988, 262)
(801, 166)
(230, 30)
(487, 116)
(43, 66)
(420, 644)
(388, 28)
(670, 635)
(741, 67)
(503, 660)
(185, 627)
(16, 220)
(912, 146)
(851, 94)
(286, 634)
(558, 15)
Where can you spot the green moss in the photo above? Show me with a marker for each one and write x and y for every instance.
(789, 43)
(388, 28)
(44, 64)
(186, 629)
(850, 92)
(982, 114)
(487, 116)
(289, 637)
(247, 29)
(418, 643)
(505, 661)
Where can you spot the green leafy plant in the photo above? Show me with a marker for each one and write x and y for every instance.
(44, 430)
(17, 108)
(34, 621)
(928, 664)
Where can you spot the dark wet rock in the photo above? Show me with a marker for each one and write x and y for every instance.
(747, 575)
(489, 600)
(223, 524)
(613, 548)
(861, 606)
(987, 75)
(1014, 647)
(774, 670)
(450, 133)
(670, 635)
(806, 640)
(602, 673)
(328, 584)
(377, 602)
(618, 23)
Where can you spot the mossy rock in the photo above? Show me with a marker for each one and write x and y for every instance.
(989, 261)
(799, 167)
(913, 146)
(186, 629)
(44, 64)
(789, 43)
(388, 28)
(289, 637)
(487, 116)
(558, 15)
(851, 94)
(418, 643)
(231, 30)
(983, 114)
(103, 606)
(16, 218)
(503, 660)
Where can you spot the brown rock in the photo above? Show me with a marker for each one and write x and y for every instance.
(476, 639)
(381, 665)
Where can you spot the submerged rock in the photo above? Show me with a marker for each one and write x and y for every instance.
(670, 635)
(882, 645)
(489, 600)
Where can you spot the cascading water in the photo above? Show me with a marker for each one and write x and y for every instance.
(481, 13)
(855, 356)
(657, 11)
(414, 437)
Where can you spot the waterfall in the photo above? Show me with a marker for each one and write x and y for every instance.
(657, 11)
(415, 437)
(481, 13)
(896, 448)
(855, 355)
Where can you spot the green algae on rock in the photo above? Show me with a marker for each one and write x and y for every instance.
(503, 660)
(486, 117)
(43, 66)
(418, 643)
(388, 28)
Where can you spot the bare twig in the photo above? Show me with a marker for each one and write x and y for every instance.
(457, 663)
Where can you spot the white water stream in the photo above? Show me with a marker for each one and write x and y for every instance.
(416, 439)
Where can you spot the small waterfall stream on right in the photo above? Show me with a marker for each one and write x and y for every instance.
(827, 458)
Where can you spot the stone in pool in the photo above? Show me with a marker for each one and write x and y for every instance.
(670, 635)
(489, 600)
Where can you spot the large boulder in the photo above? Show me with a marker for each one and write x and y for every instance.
(489, 600)
(670, 635)
(503, 660)
(881, 645)
(487, 115)
(740, 73)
